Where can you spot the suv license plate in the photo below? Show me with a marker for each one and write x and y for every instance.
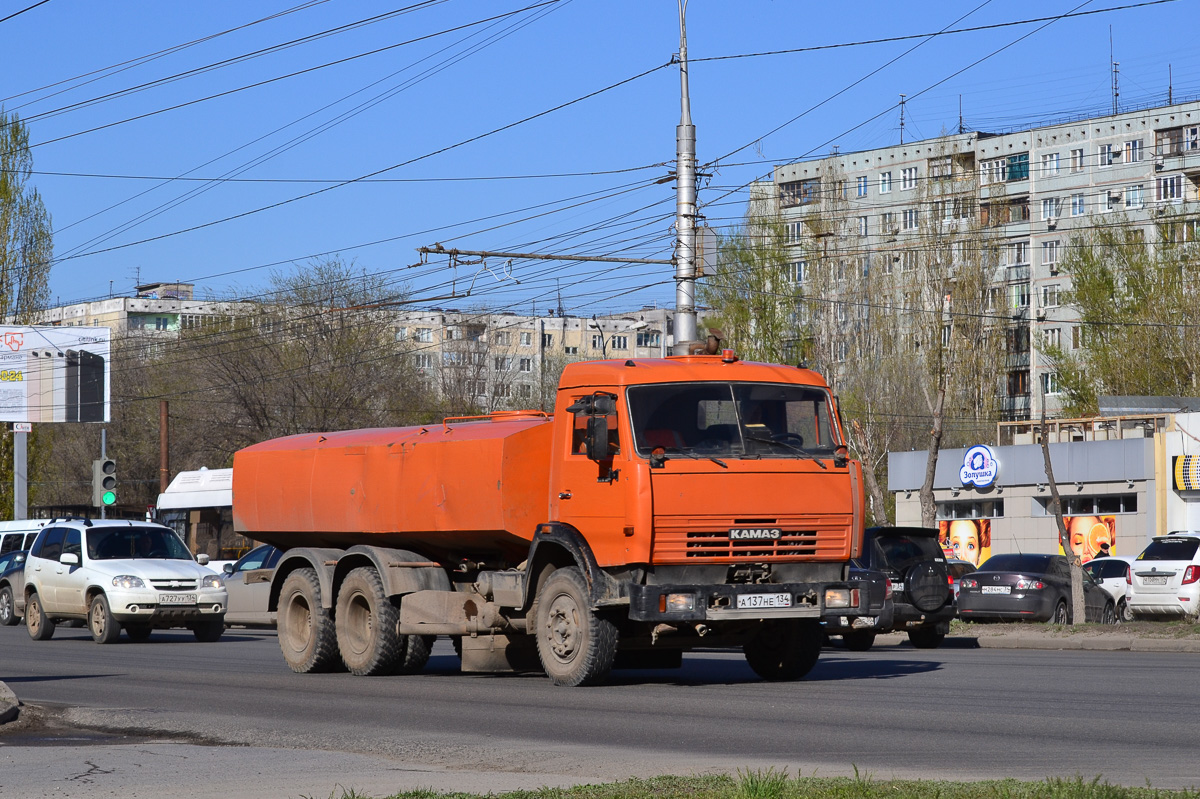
(176, 599)
(764, 601)
(1154, 581)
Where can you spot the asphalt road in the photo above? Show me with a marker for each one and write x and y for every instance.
(950, 713)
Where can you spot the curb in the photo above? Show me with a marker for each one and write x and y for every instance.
(10, 706)
(1105, 643)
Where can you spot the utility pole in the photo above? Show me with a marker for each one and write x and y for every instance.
(685, 204)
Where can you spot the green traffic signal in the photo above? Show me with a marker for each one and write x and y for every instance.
(108, 497)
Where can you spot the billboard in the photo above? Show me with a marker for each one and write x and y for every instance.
(1087, 533)
(966, 539)
(54, 374)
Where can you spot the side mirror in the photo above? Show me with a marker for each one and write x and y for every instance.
(227, 568)
(68, 559)
(202, 559)
(841, 457)
(595, 441)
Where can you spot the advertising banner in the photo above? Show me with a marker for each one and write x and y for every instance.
(966, 539)
(54, 374)
(1088, 534)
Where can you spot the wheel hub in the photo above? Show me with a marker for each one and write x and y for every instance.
(563, 627)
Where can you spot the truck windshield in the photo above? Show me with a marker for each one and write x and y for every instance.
(120, 543)
(766, 420)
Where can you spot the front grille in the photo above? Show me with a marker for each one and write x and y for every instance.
(173, 585)
(683, 540)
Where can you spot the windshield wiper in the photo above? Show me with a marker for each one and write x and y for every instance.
(803, 452)
(696, 457)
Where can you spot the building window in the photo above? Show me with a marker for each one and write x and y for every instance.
(502, 391)
(1050, 252)
(792, 231)
(1049, 164)
(1169, 189)
(619, 343)
(650, 339)
(840, 350)
(862, 186)
(1168, 142)
(1051, 208)
(994, 171)
(402, 334)
(1018, 167)
(991, 509)
(547, 340)
(1054, 337)
(862, 226)
(1076, 337)
(502, 363)
(1106, 155)
(941, 167)
(597, 341)
(525, 365)
(885, 182)
(526, 339)
(1050, 296)
(502, 338)
(423, 360)
(524, 391)
(1078, 205)
(571, 350)
(1134, 197)
(1018, 295)
(908, 260)
(887, 222)
(910, 218)
(1077, 160)
(1133, 151)
(1018, 254)
(1050, 383)
(800, 192)
(1110, 200)
(908, 178)
(796, 271)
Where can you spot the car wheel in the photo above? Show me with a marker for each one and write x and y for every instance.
(1124, 612)
(40, 627)
(1060, 613)
(926, 638)
(1110, 614)
(858, 641)
(207, 632)
(103, 627)
(784, 649)
(8, 611)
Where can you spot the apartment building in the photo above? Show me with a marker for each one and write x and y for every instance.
(155, 308)
(1029, 190)
(507, 359)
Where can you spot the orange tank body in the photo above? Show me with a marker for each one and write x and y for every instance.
(464, 488)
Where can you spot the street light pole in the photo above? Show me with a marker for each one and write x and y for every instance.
(685, 205)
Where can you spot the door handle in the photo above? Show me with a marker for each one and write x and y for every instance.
(564, 494)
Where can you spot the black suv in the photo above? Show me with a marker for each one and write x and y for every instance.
(922, 597)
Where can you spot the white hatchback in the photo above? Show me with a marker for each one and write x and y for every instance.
(1166, 577)
(119, 575)
(1114, 574)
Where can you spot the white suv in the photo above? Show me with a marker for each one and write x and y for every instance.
(1166, 577)
(119, 574)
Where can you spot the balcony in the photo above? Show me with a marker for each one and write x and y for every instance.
(1014, 407)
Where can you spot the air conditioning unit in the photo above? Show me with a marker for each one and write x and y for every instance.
(1158, 163)
(1041, 313)
(1115, 196)
(1054, 269)
(1051, 223)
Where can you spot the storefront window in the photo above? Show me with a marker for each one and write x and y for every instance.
(991, 509)
(1092, 506)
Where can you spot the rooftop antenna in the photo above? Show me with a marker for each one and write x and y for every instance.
(1116, 73)
(902, 118)
(1170, 83)
(960, 122)
(560, 305)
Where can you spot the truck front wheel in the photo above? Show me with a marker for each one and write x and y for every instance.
(784, 649)
(576, 645)
(366, 625)
(306, 634)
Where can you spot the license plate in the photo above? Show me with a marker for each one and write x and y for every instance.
(176, 599)
(897, 587)
(764, 601)
(1154, 581)
(995, 589)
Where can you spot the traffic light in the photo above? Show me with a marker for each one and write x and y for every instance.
(104, 482)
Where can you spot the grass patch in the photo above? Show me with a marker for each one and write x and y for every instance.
(773, 784)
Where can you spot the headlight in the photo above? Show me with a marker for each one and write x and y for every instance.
(128, 581)
(211, 581)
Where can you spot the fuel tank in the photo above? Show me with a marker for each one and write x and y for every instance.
(472, 486)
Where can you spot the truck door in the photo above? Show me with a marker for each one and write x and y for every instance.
(588, 487)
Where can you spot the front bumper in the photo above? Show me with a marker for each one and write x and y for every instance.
(716, 603)
(145, 607)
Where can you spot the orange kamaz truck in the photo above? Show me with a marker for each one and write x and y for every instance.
(666, 504)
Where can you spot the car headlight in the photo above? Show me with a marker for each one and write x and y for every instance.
(212, 581)
(128, 581)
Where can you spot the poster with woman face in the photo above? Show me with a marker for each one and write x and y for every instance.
(966, 539)
(1088, 533)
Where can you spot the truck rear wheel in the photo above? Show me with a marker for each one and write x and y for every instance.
(306, 634)
(784, 649)
(576, 645)
(366, 623)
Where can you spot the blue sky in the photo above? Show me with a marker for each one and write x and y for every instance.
(427, 117)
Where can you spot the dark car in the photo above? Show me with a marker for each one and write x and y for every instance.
(873, 614)
(1036, 587)
(912, 559)
(12, 581)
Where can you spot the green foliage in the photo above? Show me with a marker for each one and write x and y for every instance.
(762, 784)
(1137, 302)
